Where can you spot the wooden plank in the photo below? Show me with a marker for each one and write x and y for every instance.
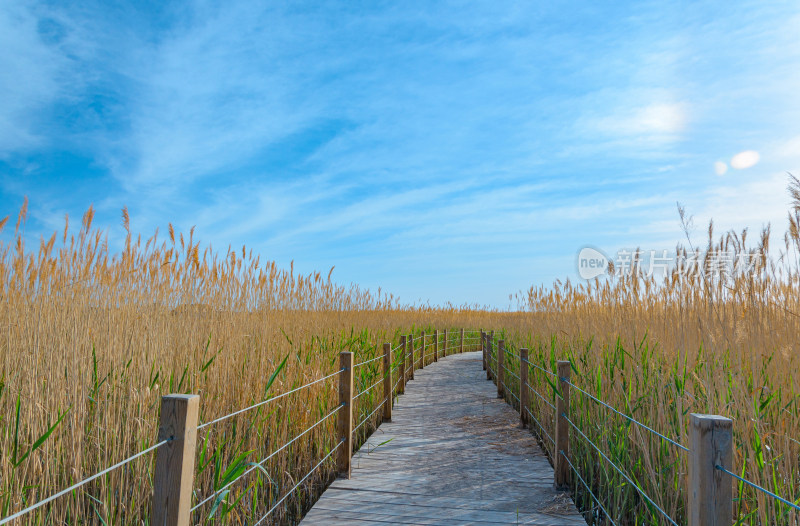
(455, 455)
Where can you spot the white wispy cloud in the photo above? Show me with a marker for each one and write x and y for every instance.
(482, 141)
(29, 77)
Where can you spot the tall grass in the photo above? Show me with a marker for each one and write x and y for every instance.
(91, 340)
(702, 341)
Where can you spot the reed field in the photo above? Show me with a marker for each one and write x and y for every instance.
(702, 340)
(92, 339)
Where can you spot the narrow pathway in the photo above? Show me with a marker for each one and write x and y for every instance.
(453, 454)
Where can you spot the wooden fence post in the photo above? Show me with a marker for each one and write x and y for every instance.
(422, 352)
(461, 342)
(436, 345)
(174, 475)
(387, 382)
(345, 422)
(411, 350)
(489, 373)
(501, 351)
(401, 387)
(444, 351)
(483, 349)
(524, 390)
(710, 490)
(561, 468)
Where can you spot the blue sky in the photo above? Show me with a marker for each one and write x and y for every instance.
(454, 151)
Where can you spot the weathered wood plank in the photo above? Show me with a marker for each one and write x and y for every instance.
(456, 455)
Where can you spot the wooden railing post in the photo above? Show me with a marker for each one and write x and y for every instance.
(411, 352)
(489, 373)
(501, 351)
(436, 345)
(483, 349)
(524, 390)
(401, 387)
(345, 421)
(491, 348)
(174, 475)
(387, 382)
(461, 342)
(560, 465)
(422, 351)
(710, 490)
(444, 344)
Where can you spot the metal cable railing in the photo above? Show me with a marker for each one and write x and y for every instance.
(380, 406)
(268, 400)
(542, 398)
(368, 389)
(599, 451)
(365, 362)
(541, 426)
(758, 488)
(674, 443)
(326, 457)
(585, 485)
(626, 477)
(542, 369)
(85, 481)
(271, 455)
(506, 369)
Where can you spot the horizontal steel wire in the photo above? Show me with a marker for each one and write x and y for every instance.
(585, 485)
(268, 400)
(541, 427)
(759, 488)
(509, 391)
(551, 373)
(630, 481)
(365, 362)
(674, 443)
(380, 406)
(326, 457)
(368, 389)
(511, 373)
(545, 400)
(261, 463)
(77, 485)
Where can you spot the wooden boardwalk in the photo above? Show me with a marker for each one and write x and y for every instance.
(456, 456)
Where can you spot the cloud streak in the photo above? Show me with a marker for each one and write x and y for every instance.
(414, 146)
